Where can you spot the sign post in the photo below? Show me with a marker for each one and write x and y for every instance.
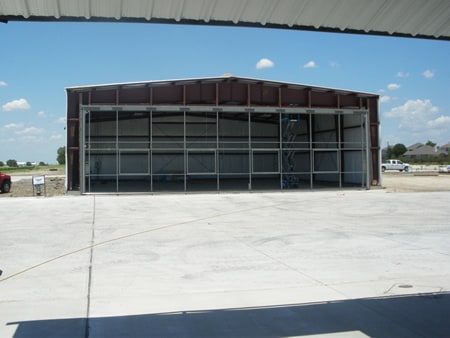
(38, 182)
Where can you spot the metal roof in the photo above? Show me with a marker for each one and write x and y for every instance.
(410, 18)
(224, 78)
(424, 150)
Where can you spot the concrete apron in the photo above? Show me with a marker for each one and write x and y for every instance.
(350, 263)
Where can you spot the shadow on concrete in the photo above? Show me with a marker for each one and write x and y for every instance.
(425, 315)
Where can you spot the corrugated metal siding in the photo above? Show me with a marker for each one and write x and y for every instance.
(430, 18)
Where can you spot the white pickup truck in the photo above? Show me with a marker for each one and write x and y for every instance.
(395, 165)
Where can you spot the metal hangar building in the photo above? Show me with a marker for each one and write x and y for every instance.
(218, 134)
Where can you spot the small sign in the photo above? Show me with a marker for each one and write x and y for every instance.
(38, 180)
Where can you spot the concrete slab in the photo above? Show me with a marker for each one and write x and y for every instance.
(319, 264)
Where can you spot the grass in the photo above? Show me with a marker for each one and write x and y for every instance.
(31, 169)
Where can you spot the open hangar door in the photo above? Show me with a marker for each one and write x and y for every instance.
(143, 149)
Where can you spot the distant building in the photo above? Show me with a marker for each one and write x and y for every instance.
(445, 148)
(415, 146)
(419, 151)
(24, 164)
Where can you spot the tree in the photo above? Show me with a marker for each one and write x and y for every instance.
(442, 158)
(2, 164)
(11, 163)
(61, 155)
(430, 143)
(42, 164)
(398, 150)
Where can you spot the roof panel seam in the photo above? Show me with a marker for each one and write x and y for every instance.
(207, 9)
(149, 10)
(239, 11)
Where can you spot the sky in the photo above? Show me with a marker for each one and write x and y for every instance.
(39, 60)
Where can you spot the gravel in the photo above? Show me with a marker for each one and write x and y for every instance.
(404, 182)
(22, 184)
(391, 181)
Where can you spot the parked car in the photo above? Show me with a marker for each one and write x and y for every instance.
(5, 183)
(395, 165)
(446, 169)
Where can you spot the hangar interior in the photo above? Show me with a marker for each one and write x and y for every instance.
(217, 135)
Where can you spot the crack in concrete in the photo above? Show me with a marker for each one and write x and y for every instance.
(89, 286)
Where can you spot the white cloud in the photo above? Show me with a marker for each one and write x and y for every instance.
(402, 74)
(428, 74)
(440, 122)
(393, 86)
(30, 130)
(61, 120)
(310, 64)
(13, 126)
(385, 99)
(264, 63)
(41, 114)
(3, 84)
(414, 115)
(20, 104)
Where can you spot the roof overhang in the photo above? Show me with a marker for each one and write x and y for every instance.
(428, 19)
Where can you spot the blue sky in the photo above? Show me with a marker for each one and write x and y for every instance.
(39, 60)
